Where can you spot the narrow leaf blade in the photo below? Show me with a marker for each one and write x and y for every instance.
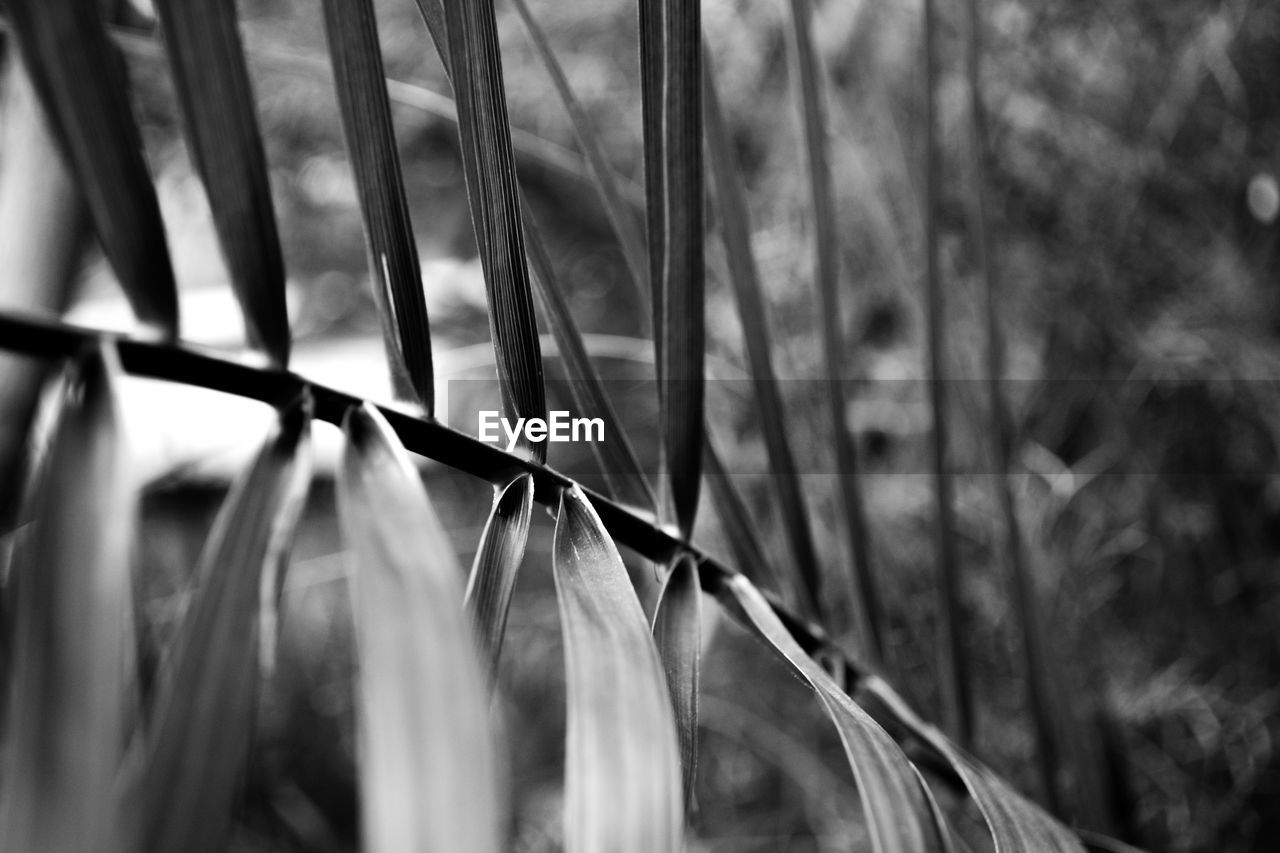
(212, 82)
(497, 563)
(489, 167)
(621, 216)
(651, 74)
(898, 810)
(622, 768)
(866, 603)
(682, 343)
(677, 627)
(429, 777)
(617, 457)
(81, 80)
(205, 701)
(736, 232)
(1015, 823)
(352, 33)
(70, 600)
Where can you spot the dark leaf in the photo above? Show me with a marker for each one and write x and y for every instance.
(82, 82)
(393, 254)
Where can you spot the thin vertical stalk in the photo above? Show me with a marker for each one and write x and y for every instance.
(1033, 657)
(951, 658)
(866, 601)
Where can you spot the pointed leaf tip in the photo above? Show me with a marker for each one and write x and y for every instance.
(677, 634)
(622, 765)
(497, 563)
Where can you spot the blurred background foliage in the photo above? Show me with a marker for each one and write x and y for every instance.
(1133, 163)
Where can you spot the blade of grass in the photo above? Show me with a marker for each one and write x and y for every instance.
(497, 563)
(735, 224)
(205, 700)
(620, 215)
(952, 668)
(428, 760)
(352, 33)
(212, 83)
(897, 806)
(622, 764)
(677, 627)
(1015, 823)
(617, 457)
(80, 79)
(866, 617)
(1035, 667)
(43, 226)
(489, 166)
(681, 348)
(70, 600)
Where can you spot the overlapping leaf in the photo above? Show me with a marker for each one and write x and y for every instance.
(205, 701)
(212, 82)
(736, 230)
(1016, 824)
(489, 165)
(898, 810)
(497, 563)
(393, 255)
(428, 765)
(677, 632)
(70, 603)
(622, 766)
(81, 81)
